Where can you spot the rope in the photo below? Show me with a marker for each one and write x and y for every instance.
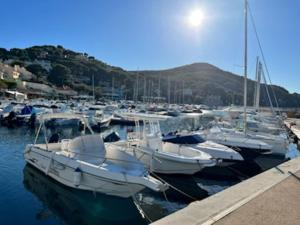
(294, 175)
(267, 90)
(165, 195)
(263, 56)
(135, 201)
(176, 189)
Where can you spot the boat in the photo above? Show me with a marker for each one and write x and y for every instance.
(225, 155)
(248, 147)
(77, 206)
(84, 163)
(161, 157)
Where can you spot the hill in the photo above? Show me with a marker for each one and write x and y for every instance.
(59, 66)
(208, 84)
(195, 83)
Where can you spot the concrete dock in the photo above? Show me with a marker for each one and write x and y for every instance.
(294, 125)
(272, 197)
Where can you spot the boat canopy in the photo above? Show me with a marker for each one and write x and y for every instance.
(63, 116)
(144, 116)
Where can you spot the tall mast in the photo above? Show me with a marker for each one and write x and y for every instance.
(183, 92)
(245, 67)
(255, 84)
(137, 87)
(258, 86)
(145, 88)
(169, 92)
(159, 87)
(94, 86)
(112, 87)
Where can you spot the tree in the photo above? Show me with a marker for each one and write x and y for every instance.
(18, 62)
(4, 53)
(37, 69)
(59, 75)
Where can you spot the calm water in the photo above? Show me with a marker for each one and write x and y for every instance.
(27, 196)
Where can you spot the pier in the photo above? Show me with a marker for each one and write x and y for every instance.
(272, 197)
(294, 125)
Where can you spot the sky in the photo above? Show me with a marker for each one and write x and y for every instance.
(154, 34)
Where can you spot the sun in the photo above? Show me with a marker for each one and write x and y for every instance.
(195, 18)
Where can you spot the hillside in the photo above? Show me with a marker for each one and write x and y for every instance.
(210, 85)
(195, 83)
(59, 66)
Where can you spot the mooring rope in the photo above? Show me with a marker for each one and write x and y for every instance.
(135, 201)
(175, 188)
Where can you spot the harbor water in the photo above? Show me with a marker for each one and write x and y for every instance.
(28, 196)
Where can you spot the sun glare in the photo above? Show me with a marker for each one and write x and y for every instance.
(195, 18)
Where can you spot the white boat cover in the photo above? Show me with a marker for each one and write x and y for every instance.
(87, 148)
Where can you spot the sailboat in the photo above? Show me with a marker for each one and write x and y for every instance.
(248, 146)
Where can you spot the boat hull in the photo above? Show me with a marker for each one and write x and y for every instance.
(64, 173)
(158, 163)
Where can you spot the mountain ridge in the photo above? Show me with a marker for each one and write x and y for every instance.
(196, 83)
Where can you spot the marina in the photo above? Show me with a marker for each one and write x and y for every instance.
(86, 142)
(174, 186)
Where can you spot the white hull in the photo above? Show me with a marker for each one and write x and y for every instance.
(164, 164)
(62, 169)
(226, 155)
(167, 162)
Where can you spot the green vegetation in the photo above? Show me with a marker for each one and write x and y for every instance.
(37, 69)
(7, 84)
(60, 75)
(205, 82)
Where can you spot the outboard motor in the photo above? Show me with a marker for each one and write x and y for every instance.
(112, 137)
(11, 119)
(54, 138)
(32, 120)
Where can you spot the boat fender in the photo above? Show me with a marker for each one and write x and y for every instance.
(77, 176)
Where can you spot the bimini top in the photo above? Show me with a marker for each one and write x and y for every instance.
(144, 116)
(49, 116)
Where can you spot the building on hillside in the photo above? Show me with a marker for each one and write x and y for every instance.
(15, 72)
(65, 92)
(31, 86)
(15, 95)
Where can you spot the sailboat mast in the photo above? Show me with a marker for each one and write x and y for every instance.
(245, 66)
(94, 86)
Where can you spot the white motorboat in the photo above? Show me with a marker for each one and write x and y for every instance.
(249, 148)
(84, 163)
(225, 155)
(279, 143)
(162, 157)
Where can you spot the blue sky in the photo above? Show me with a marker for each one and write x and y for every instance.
(153, 34)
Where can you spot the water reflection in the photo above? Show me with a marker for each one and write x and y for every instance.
(75, 207)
